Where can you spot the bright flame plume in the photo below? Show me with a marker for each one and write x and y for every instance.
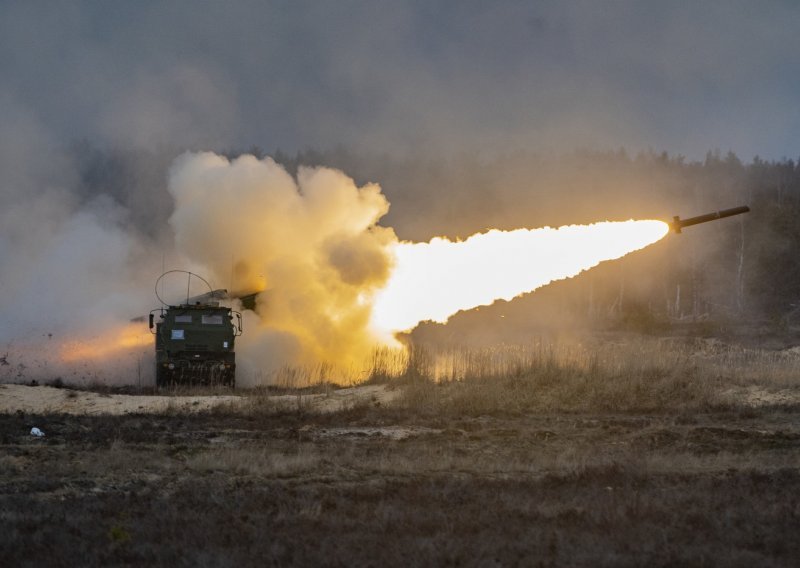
(434, 280)
(113, 343)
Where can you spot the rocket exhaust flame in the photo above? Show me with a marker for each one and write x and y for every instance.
(434, 280)
(112, 344)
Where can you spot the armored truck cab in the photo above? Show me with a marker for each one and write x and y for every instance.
(194, 344)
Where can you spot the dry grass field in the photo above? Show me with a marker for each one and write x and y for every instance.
(634, 452)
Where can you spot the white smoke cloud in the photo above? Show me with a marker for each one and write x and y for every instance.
(63, 264)
(71, 269)
(312, 246)
(70, 275)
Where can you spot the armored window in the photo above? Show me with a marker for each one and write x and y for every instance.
(177, 334)
(183, 319)
(212, 319)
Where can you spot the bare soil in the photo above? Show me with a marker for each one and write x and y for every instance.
(373, 484)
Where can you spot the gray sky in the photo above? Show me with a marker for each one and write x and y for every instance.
(685, 77)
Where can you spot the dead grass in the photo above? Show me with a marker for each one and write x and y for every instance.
(563, 390)
(616, 374)
(622, 374)
(671, 487)
(252, 461)
(638, 375)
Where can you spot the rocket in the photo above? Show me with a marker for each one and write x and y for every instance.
(677, 223)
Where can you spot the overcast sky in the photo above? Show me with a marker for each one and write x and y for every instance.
(394, 76)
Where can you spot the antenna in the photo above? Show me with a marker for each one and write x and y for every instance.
(188, 284)
(163, 270)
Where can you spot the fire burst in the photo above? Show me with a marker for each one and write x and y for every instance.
(114, 343)
(434, 280)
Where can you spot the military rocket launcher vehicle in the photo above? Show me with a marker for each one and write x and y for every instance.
(195, 339)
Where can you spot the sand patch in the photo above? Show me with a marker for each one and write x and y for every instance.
(50, 400)
(758, 396)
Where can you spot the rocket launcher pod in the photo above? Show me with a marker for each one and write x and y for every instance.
(677, 223)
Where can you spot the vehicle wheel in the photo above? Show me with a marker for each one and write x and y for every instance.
(162, 377)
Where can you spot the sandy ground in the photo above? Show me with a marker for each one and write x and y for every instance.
(757, 396)
(49, 400)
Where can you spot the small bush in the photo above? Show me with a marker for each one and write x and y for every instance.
(118, 534)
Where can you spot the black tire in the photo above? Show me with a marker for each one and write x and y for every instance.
(162, 376)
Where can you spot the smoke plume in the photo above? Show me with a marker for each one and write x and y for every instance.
(311, 246)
